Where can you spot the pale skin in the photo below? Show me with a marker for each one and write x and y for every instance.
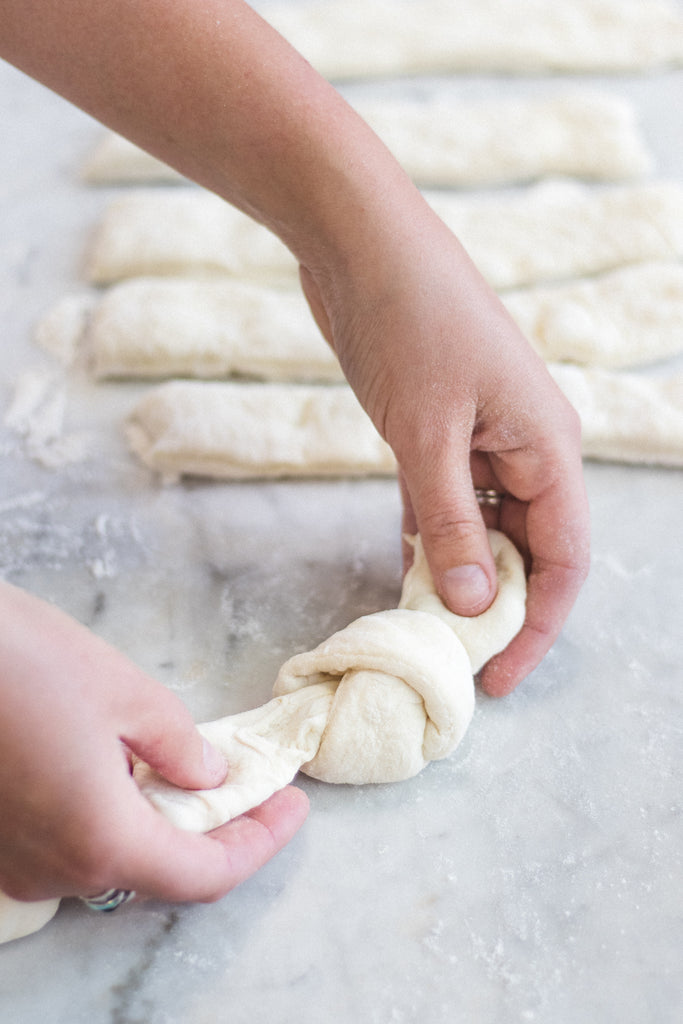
(429, 350)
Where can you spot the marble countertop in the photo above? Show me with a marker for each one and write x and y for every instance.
(534, 876)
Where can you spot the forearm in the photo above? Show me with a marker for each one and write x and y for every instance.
(211, 89)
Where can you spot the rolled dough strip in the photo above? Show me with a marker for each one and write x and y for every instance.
(175, 231)
(553, 231)
(627, 317)
(361, 40)
(442, 142)
(182, 327)
(559, 229)
(245, 430)
(626, 417)
(157, 327)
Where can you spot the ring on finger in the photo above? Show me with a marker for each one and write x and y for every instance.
(488, 496)
(107, 901)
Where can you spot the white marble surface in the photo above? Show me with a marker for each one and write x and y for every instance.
(535, 876)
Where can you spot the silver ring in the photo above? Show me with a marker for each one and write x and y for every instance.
(109, 900)
(488, 496)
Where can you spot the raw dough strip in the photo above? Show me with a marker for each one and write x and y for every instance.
(178, 231)
(374, 703)
(246, 431)
(626, 417)
(387, 37)
(553, 231)
(182, 327)
(627, 317)
(160, 327)
(443, 142)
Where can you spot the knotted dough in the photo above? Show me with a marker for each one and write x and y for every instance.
(373, 703)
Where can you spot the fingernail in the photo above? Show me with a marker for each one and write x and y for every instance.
(214, 761)
(465, 587)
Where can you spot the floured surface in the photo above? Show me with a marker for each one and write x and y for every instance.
(36, 414)
(399, 37)
(448, 143)
(555, 230)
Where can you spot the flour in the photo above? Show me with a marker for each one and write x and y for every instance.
(36, 413)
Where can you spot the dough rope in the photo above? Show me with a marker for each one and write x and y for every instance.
(159, 328)
(390, 37)
(253, 431)
(292, 430)
(515, 240)
(444, 143)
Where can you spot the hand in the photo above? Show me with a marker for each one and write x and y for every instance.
(72, 820)
(429, 350)
(464, 402)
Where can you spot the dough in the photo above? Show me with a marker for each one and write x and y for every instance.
(485, 634)
(550, 232)
(560, 229)
(156, 327)
(173, 231)
(627, 317)
(626, 417)
(445, 143)
(18, 918)
(181, 327)
(387, 37)
(373, 704)
(235, 431)
(243, 430)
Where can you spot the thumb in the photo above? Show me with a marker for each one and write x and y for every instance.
(445, 511)
(160, 731)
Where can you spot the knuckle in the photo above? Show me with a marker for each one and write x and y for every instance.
(445, 526)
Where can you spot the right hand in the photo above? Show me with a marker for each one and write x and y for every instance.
(464, 402)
